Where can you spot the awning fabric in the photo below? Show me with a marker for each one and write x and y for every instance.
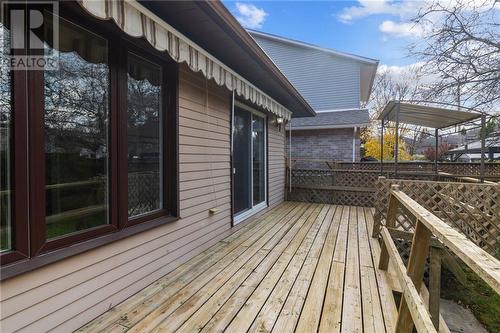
(138, 21)
(427, 116)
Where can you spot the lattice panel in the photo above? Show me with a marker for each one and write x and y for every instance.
(143, 192)
(312, 177)
(355, 178)
(474, 209)
(471, 169)
(348, 198)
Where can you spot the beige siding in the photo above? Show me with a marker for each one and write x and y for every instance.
(67, 294)
(276, 146)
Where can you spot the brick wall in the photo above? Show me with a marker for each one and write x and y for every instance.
(327, 144)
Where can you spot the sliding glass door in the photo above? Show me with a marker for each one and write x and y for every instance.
(249, 162)
(241, 160)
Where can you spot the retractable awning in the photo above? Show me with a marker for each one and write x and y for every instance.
(137, 21)
(427, 116)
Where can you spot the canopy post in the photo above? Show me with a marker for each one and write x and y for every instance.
(436, 154)
(396, 144)
(382, 148)
(483, 144)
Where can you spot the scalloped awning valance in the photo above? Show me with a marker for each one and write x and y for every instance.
(138, 21)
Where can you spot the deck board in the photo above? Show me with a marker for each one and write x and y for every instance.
(300, 267)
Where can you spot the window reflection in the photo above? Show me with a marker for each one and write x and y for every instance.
(76, 132)
(144, 136)
(258, 159)
(5, 142)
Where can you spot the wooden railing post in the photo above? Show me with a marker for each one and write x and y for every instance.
(377, 218)
(390, 222)
(435, 285)
(415, 270)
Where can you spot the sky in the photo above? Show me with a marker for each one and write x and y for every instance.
(375, 29)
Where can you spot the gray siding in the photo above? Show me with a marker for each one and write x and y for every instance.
(65, 295)
(276, 147)
(325, 80)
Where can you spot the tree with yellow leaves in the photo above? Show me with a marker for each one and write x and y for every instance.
(372, 147)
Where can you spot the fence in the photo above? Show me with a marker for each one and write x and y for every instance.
(344, 183)
(492, 170)
(332, 186)
(472, 208)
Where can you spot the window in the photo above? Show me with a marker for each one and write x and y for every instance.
(76, 123)
(95, 156)
(144, 136)
(5, 146)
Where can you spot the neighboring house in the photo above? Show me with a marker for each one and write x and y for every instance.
(335, 84)
(72, 246)
(471, 152)
(429, 142)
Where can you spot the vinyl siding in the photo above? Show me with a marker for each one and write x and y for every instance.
(276, 148)
(63, 296)
(325, 80)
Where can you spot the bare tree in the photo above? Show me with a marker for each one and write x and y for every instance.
(461, 47)
(399, 84)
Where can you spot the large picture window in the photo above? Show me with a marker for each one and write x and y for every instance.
(6, 146)
(76, 122)
(96, 153)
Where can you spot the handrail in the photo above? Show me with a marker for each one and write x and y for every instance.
(412, 310)
(388, 162)
(415, 304)
(480, 261)
(466, 179)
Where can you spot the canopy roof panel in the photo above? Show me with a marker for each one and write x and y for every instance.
(427, 116)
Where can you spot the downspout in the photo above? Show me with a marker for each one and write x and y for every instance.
(232, 158)
(355, 129)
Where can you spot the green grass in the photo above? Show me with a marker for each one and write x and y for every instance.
(475, 294)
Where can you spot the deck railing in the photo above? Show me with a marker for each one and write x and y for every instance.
(428, 228)
(456, 168)
(326, 181)
(472, 208)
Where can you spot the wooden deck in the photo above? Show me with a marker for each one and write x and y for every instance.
(300, 267)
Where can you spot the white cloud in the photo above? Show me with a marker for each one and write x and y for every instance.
(250, 16)
(408, 72)
(401, 29)
(397, 71)
(404, 9)
(379, 7)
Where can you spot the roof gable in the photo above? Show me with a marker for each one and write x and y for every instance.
(327, 78)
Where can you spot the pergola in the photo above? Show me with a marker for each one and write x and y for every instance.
(438, 118)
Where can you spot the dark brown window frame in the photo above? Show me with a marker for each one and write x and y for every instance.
(30, 248)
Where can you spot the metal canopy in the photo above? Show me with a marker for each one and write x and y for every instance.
(427, 116)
